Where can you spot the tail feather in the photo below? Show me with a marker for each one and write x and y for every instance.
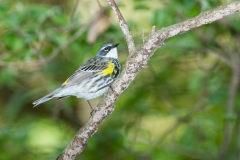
(45, 98)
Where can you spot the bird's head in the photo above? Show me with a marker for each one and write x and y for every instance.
(108, 50)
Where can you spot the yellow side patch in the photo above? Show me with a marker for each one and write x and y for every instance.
(109, 70)
(65, 82)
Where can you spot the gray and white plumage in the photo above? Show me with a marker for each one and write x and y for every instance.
(92, 79)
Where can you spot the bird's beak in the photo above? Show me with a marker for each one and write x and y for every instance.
(115, 45)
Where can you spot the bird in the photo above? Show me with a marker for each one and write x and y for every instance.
(90, 80)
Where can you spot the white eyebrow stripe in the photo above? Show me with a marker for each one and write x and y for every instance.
(105, 47)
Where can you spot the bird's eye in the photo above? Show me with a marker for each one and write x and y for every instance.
(107, 49)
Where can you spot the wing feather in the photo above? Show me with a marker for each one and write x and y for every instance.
(87, 71)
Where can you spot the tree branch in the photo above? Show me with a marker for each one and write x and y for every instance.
(124, 27)
(134, 64)
(230, 115)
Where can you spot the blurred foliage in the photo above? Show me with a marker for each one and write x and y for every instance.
(175, 109)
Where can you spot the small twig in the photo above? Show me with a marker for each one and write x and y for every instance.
(230, 111)
(124, 27)
(99, 4)
(221, 56)
(153, 29)
(74, 10)
(64, 29)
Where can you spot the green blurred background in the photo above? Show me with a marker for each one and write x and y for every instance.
(176, 109)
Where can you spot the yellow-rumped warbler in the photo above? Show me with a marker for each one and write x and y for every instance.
(92, 79)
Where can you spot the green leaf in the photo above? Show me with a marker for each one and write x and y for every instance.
(60, 19)
(13, 41)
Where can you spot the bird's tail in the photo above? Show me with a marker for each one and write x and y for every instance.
(45, 98)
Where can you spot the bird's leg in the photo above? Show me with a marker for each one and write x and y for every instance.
(111, 88)
(90, 107)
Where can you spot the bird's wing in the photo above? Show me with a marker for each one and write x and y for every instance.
(86, 71)
(95, 64)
